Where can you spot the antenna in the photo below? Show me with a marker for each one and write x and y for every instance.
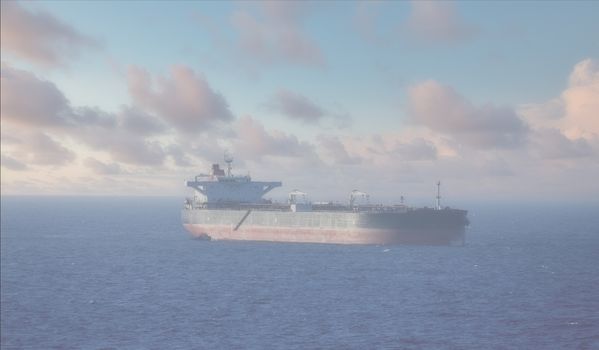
(439, 195)
(228, 160)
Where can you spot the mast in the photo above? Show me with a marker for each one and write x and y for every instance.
(355, 193)
(228, 160)
(439, 195)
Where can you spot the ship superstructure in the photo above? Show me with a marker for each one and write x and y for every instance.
(230, 207)
(219, 188)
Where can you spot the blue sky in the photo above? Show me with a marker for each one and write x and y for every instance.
(530, 45)
(339, 87)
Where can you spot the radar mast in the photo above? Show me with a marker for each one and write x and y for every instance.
(228, 160)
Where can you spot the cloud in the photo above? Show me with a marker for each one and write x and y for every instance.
(552, 144)
(496, 167)
(183, 99)
(102, 168)
(46, 151)
(428, 22)
(275, 34)
(335, 150)
(543, 112)
(38, 148)
(138, 122)
(443, 110)
(299, 107)
(11, 163)
(437, 22)
(178, 155)
(207, 147)
(39, 37)
(576, 110)
(584, 73)
(122, 146)
(91, 116)
(295, 106)
(378, 150)
(581, 100)
(417, 149)
(30, 104)
(29, 101)
(26, 99)
(254, 142)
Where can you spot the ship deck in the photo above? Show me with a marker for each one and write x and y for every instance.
(284, 207)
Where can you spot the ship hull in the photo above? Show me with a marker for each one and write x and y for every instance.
(330, 236)
(418, 228)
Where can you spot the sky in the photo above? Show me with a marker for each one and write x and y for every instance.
(498, 100)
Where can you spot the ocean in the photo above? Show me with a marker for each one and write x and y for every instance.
(121, 273)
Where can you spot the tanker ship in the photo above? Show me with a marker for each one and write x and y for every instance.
(231, 207)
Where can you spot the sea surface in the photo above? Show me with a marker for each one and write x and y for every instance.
(121, 273)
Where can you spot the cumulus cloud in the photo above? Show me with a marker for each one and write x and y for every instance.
(28, 100)
(91, 116)
(178, 155)
(584, 73)
(543, 112)
(417, 149)
(46, 151)
(438, 22)
(254, 141)
(377, 149)
(581, 100)
(576, 110)
(11, 163)
(138, 122)
(39, 37)
(30, 104)
(275, 34)
(552, 144)
(122, 146)
(102, 168)
(335, 150)
(183, 99)
(39, 149)
(295, 106)
(443, 110)
(206, 147)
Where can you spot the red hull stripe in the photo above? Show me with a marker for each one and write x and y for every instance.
(321, 235)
